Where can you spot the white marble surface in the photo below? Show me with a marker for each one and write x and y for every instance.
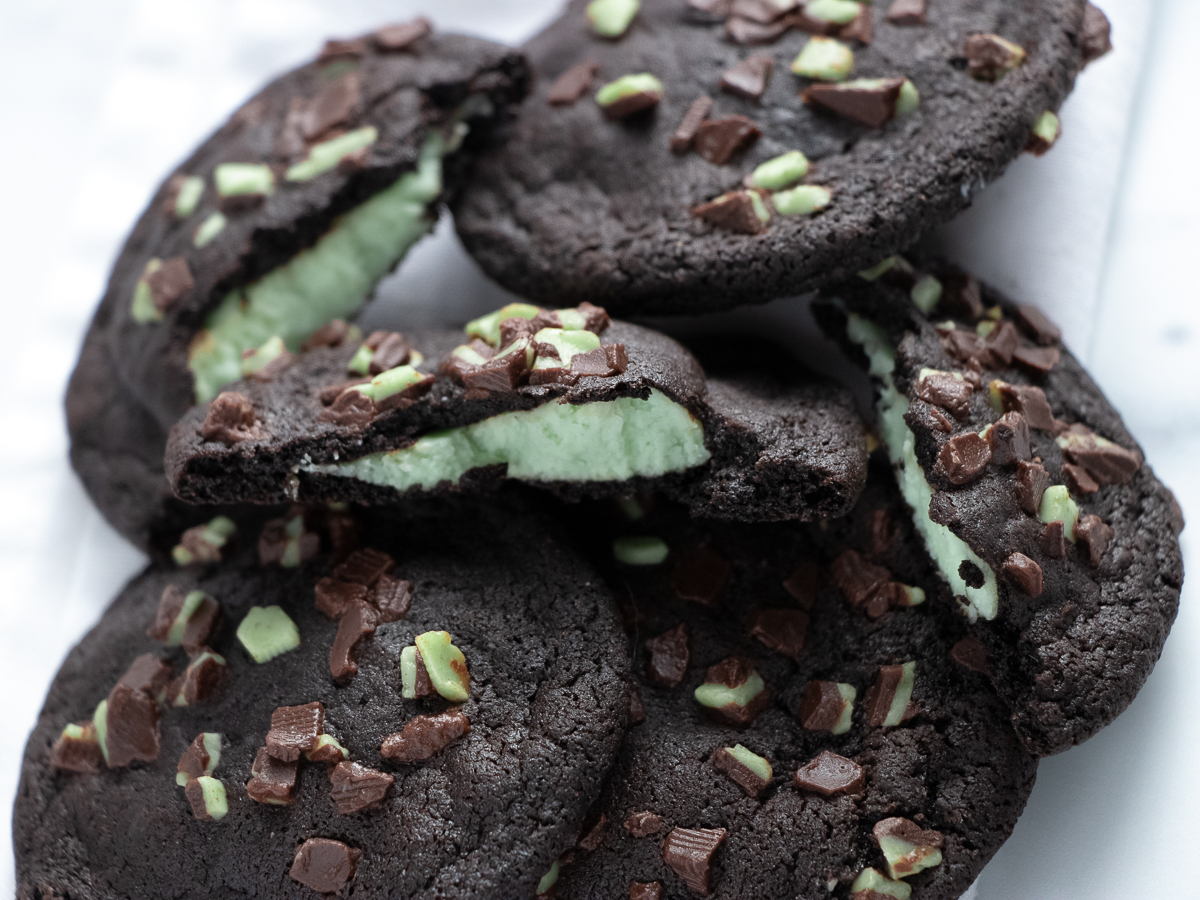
(99, 98)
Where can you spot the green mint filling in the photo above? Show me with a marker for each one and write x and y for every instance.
(948, 550)
(715, 696)
(849, 694)
(329, 280)
(640, 550)
(751, 761)
(874, 880)
(612, 440)
(267, 632)
(549, 879)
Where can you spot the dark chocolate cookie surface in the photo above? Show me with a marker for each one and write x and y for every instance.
(587, 202)
(442, 811)
(1056, 536)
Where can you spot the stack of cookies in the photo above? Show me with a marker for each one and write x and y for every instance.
(551, 604)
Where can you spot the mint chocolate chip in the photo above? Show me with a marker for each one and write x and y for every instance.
(824, 59)
(207, 798)
(828, 706)
(243, 179)
(908, 848)
(888, 699)
(328, 155)
(872, 881)
(267, 632)
(201, 757)
(780, 172)
(445, 664)
(200, 679)
(183, 195)
(990, 57)
(255, 361)
(611, 18)
(487, 328)
(926, 293)
(749, 771)
(629, 94)
(77, 749)
(802, 200)
(734, 691)
(548, 880)
(1057, 506)
(209, 229)
(202, 543)
(640, 550)
(836, 12)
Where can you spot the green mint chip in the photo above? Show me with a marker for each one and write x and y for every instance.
(487, 328)
(752, 761)
(926, 294)
(326, 155)
(549, 879)
(782, 171)
(802, 200)
(100, 723)
(611, 18)
(909, 99)
(1047, 127)
(191, 189)
(627, 86)
(215, 803)
(360, 363)
(445, 665)
(191, 603)
(902, 696)
(242, 179)
(849, 693)
(569, 344)
(209, 229)
(716, 696)
(389, 383)
(263, 355)
(839, 12)
(267, 632)
(408, 673)
(825, 59)
(640, 550)
(874, 880)
(1057, 506)
(143, 309)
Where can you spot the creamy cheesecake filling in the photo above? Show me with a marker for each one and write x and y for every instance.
(611, 440)
(948, 550)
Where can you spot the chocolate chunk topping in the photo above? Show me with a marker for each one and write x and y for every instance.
(1024, 573)
(685, 134)
(689, 852)
(830, 774)
(348, 407)
(861, 582)
(1008, 439)
(941, 421)
(200, 625)
(861, 28)
(78, 754)
(502, 375)
(822, 706)
(907, 12)
(572, 84)
(632, 104)
(149, 674)
(1106, 462)
(1037, 326)
(403, 35)
(195, 759)
(882, 693)
(645, 890)
(911, 833)
(802, 584)
(748, 79)
(741, 775)
(971, 654)
(1039, 360)
(873, 106)
(1078, 479)
(169, 282)
(988, 56)
(275, 542)
(593, 836)
(333, 596)
(390, 350)
(273, 781)
(964, 457)
(962, 345)
(603, 362)
(1032, 481)
(358, 620)
(194, 792)
(946, 390)
(334, 105)
(392, 597)
(961, 297)
(422, 686)
(701, 575)
(336, 48)
(132, 734)
(200, 679)
(643, 824)
(720, 140)
(733, 672)
(295, 729)
(1030, 401)
(425, 736)
(231, 419)
(324, 865)
(1096, 39)
(1054, 540)
(749, 33)
(1095, 536)
(781, 630)
(732, 212)
(354, 787)
(364, 567)
(331, 334)
(998, 347)
(667, 664)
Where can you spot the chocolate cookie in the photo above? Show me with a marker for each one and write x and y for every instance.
(807, 729)
(279, 755)
(1031, 495)
(668, 161)
(285, 219)
(558, 398)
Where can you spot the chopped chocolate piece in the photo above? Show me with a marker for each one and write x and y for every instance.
(830, 774)
(860, 581)
(354, 787)
(333, 596)
(943, 422)
(801, 21)
(1096, 39)
(1106, 462)
(685, 134)
(861, 28)
(1037, 326)
(733, 691)
(962, 345)
(286, 543)
(689, 852)
(761, 11)
(748, 79)
(423, 685)
(870, 102)
(169, 282)
(334, 105)
(701, 575)
(1054, 540)
(971, 654)
(425, 736)
(200, 679)
(632, 104)
(781, 630)
(637, 709)
(1039, 360)
(1024, 573)
(358, 620)
(708, 10)
(593, 837)
(720, 140)
(195, 760)
(964, 457)
(1029, 400)
(77, 749)
(667, 664)
(734, 212)
(643, 824)
(599, 362)
(822, 706)
(749, 33)
(501, 374)
(961, 297)
(741, 774)
(1078, 479)
(1008, 438)
(131, 733)
(391, 350)
(150, 674)
(342, 49)
(906, 847)
(327, 750)
(170, 605)
(947, 390)
(572, 84)
(272, 781)
(331, 334)
(990, 56)
(999, 345)
(616, 356)
(324, 865)
(392, 597)
(193, 791)
(364, 567)
(645, 890)
(295, 729)
(883, 532)
(881, 698)
(402, 35)
(1095, 535)
(802, 584)
(907, 12)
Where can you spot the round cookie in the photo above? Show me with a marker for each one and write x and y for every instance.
(818, 610)
(587, 202)
(486, 813)
(1057, 538)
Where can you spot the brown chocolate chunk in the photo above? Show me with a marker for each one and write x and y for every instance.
(324, 865)
(331, 334)
(80, 754)
(1032, 481)
(637, 709)
(402, 35)
(593, 835)
(669, 656)
(971, 654)
(750, 33)
(689, 852)
(907, 12)
(423, 686)
(1106, 462)
(346, 406)
(338, 48)
(1078, 479)
(1024, 573)
(720, 140)
(882, 693)
(645, 890)
(964, 346)
(392, 597)
(964, 457)
(502, 375)
(333, 596)
(830, 774)
(272, 781)
(1096, 39)
(643, 824)
(861, 582)
(194, 792)
(741, 775)
(733, 672)
(274, 541)
(354, 787)
(761, 11)
(873, 106)
(1054, 540)
(781, 630)
(333, 105)
(822, 706)
(169, 282)
(1095, 535)
(358, 620)
(425, 736)
(390, 350)
(685, 134)
(200, 626)
(295, 729)
(1030, 401)
(748, 79)
(802, 584)
(572, 84)
(941, 421)
(947, 391)
(988, 58)
(364, 567)
(1009, 439)
(909, 832)
(732, 212)
(1037, 326)
(132, 733)
(600, 362)
(200, 679)
(962, 297)
(811, 25)
(861, 28)
(701, 575)
(998, 347)
(195, 759)
(632, 104)
(231, 419)
(150, 674)
(1038, 360)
